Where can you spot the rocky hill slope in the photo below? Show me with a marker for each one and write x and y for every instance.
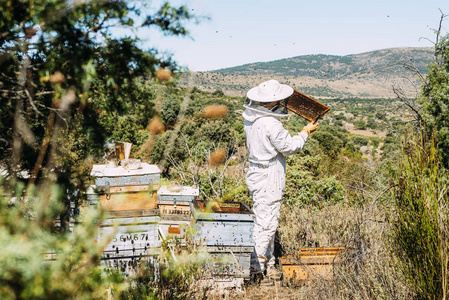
(372, 74)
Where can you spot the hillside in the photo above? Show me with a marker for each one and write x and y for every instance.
(366, 75)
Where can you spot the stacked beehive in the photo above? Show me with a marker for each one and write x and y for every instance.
(128, 196)
(226, 229)
(311, 263)
(139, 219)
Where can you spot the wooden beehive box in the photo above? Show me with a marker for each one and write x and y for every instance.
(128, 201)
(174, 202)
(177, 194)
(174, 206)
(312, 263)
(232, 261)
(121, 201)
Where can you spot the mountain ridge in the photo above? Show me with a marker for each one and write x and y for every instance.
(368, 74)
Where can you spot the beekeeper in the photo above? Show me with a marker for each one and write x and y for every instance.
(268, 144)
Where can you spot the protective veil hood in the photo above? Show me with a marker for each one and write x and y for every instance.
(257, 109)
(252, 115)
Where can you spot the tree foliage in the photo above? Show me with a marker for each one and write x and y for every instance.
(170, 110)
(68, 81)
(65, 73)
(435, 97)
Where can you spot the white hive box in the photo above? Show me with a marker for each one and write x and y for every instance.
(229, 262)
(225, 224)
(134, 237)
(226, 229)
(118, 178)
(177, 195)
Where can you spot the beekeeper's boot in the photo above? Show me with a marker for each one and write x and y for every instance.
(256, 277)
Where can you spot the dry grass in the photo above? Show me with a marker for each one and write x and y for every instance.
(366, 270)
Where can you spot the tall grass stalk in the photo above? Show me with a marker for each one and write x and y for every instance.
(420, 224)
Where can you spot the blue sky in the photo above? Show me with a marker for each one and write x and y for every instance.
(246, 31)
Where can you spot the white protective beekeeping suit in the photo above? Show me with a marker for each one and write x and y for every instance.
(268, 144)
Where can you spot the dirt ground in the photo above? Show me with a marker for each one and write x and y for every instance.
(277, 292)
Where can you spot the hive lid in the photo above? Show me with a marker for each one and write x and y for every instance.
(181, 191)
(104, 171)
(305, 106)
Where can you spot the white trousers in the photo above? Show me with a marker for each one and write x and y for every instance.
(266, 185)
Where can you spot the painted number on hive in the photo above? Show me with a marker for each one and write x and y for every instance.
(132, 237)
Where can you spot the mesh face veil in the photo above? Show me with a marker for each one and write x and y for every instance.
(273, 108)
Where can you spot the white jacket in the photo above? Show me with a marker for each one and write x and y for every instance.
(267, 139)
(268, 144)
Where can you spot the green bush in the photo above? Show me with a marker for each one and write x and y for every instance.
(331, 139)
(435, 97)
(420, 221)
(340, 117)
(170, 110)
(360, 124)
(360, 140)
(36, 261)
(303, 188)
(375, 142)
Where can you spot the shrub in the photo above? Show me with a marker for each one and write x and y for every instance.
(38, 263)
(360, 140)
(420, 222)
(360, 124)
(331, 140)
(375, 142)
(435, 97)
(304, 189)
(170, 110)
